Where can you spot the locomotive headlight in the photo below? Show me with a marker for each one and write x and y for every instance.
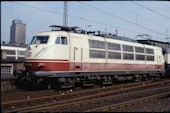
(40, 65)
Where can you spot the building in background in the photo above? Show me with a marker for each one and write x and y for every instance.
(12, 58)
(18, 32)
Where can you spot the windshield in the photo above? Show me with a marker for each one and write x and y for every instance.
(39, 40)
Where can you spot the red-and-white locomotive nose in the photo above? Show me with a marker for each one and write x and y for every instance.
(48, 51)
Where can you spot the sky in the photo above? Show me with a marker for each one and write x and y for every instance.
(130, 18)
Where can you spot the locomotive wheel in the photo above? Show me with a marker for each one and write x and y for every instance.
(69, 83)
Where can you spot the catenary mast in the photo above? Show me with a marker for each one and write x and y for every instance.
(65, 15)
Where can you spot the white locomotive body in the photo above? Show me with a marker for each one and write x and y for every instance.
(84, 57)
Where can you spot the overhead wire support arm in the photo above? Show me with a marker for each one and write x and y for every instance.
(144, 36)
(74, 29)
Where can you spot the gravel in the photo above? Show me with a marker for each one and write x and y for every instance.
(155, 105)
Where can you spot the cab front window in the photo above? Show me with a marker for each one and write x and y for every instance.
(39, 40)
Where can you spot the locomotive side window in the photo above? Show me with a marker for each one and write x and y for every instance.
(113, 46)
(11, 52)
(96, 44)
(64, 40)
(149, 58)
(57, 40)
(149, 51)
(127, 48)
(21, 52)
(127, 56)
(140, 57)
(139, 50)
(114, 55)
(39, 39)
(97, 54)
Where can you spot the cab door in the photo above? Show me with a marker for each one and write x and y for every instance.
(77, 52)
(62, 47)
(78, 58)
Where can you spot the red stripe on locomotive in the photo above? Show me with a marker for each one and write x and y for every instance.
(77, 66)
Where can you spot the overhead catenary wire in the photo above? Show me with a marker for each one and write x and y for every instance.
(122, 19)
(138, 14)
(47, 20)
(77, 17)
(96, 21)
(150, 10)
(164, 5)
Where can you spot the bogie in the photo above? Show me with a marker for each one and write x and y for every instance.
(88, 81)
(68, 83)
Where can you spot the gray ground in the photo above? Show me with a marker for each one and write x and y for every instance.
(156, 105)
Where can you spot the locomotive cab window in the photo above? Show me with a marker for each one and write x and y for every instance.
(39, 40)
(64, 40)
(57, 40)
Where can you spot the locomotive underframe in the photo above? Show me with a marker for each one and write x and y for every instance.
(36, 79)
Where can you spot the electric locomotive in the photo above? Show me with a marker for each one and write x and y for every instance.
(69, 55)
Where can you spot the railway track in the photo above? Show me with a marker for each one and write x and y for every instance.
(8, 96)
(61, 102)
(13, 95)
(131, 99)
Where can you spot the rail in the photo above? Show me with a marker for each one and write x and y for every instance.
(61, 101)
